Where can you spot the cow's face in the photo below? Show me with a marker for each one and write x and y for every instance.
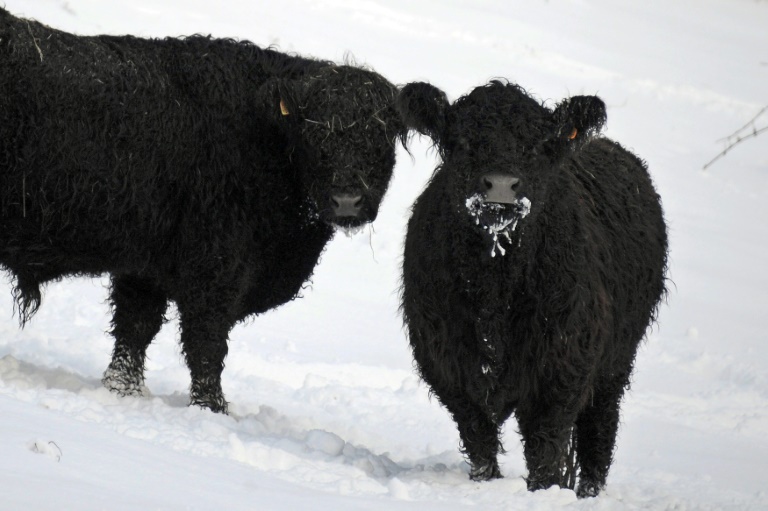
(346, 130)
(500, 149)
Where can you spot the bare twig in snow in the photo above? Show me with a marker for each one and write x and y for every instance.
(749, 130)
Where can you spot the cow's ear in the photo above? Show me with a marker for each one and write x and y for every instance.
(579, 118)
(423, 107)
(280, 100)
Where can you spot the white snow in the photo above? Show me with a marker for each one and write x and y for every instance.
(327, 413)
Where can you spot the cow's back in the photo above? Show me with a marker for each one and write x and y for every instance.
(115, 144)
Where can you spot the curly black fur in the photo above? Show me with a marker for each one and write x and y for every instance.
(540, 318)
(193, 169)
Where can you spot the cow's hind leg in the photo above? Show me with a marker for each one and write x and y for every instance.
(204, 337)
(596, 429)
(138, 313)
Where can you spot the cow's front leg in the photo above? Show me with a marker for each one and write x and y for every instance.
(479, 437)
(546, 425)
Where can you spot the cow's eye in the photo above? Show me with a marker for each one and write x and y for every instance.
(460, 144)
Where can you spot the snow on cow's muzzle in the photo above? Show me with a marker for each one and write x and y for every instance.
(497, 219)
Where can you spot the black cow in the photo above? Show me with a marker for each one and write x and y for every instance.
(534, 262)
(210, 172)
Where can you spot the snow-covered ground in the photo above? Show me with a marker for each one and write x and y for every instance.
(327, 413)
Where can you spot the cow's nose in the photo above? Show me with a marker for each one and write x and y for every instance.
(346, 204)
(500, 187)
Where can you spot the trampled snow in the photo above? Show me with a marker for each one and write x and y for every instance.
(326, 410)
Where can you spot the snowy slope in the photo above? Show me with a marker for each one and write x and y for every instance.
(326, 411)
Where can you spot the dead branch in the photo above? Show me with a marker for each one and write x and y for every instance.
(749, 130)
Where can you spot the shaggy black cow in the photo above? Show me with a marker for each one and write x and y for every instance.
(205, 171)
(534, 262)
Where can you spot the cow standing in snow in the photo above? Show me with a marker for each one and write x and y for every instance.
(534, 263)
(209, 172)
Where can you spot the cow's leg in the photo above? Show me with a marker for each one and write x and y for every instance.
(204, 335)
(546, 425)
(479, 437)
(138, 312)
(478, 432)
(596, 429)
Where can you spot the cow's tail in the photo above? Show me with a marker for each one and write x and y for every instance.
(569, 466)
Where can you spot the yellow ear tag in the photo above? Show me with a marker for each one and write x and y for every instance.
(283, 108)
(573, 134)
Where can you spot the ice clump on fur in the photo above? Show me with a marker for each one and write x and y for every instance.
(350, 231)
(477, 207)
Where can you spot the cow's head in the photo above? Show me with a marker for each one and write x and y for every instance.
(500, 147)
(344, 129)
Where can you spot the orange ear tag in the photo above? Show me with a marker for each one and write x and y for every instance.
(573, 134)
(283, 108)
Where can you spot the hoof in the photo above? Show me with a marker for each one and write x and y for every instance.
(588, 489)
(216, 404)
(485, 472)
(124, 384)
(536, 484)
(539, 485)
